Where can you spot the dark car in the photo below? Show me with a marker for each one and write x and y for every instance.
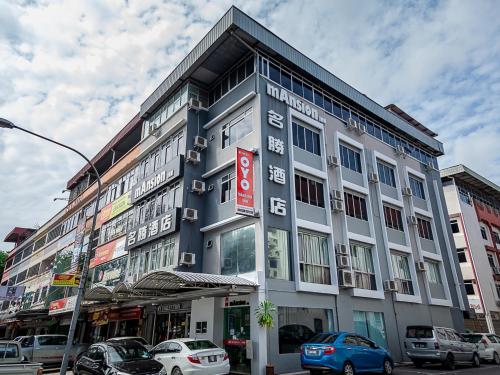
(109, 358)
(346, 353)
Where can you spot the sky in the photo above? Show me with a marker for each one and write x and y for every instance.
(78, 71)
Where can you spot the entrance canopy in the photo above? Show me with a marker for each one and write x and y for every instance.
(173, 285)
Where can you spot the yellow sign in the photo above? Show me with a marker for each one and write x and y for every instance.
(65, 279)
(121, 204)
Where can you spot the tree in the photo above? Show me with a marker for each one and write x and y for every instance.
(3, 259)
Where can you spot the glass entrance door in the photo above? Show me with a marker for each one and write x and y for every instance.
(236, 332)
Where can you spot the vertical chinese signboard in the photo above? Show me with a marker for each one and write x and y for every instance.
(244, 182)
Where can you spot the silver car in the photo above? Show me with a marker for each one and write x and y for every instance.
(48, 349)
(488, 345)
(427, 344)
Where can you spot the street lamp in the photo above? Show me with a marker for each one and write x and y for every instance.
(6, 124)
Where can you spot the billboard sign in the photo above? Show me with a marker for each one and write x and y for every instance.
(244, 182)
(66, 279)
(11, 293)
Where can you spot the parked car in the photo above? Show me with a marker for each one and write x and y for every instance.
(140, 340)
(191, 356)
(439, 345)
(487, 344)
(13, 362)
(48, 349)
(115, 358)
(344, 352)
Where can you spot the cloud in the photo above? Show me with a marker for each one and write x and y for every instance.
(78, 72)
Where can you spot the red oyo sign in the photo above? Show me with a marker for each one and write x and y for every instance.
(244, 182)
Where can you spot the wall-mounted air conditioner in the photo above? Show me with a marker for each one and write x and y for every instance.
(197, 186)
(190, 214)
(338, 206)
(373, 178)
(332, 161)
(346, 279)
(193, 156)
(337, 195)
(420, 266)
(187, 259)
(341, 249)
(407, 191)
(200, 143)
(412, 220)
(342, 261)
(390, 286)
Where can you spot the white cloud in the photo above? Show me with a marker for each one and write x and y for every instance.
(78, 71)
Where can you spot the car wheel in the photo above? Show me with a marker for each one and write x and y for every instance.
(449, 363)
(348, 369)
(176, 371)
(418, 364)
(476, 361)
(496, 358)
(387, 367)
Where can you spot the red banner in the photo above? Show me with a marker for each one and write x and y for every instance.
(235, 342)
(244, 182)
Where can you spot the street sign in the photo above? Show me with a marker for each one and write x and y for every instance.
(66, 279)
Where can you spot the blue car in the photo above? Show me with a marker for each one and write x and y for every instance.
(345, 353)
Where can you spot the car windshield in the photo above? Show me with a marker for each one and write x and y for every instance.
(472, 338)
(140, 340)
(324, 338)
(419, 333)
(200, 345)
(126, 353)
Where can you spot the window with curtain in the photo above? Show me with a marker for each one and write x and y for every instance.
(371, 324)
(278, 262)
(362, 265)
(355, 206)
(309, 191)
(433, 273)
(424, 229)
(402, 275)
(314, 259)
(238, 251)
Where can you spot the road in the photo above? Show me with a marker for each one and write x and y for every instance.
(485, 369)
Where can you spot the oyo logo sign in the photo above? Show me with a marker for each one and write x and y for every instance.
(244, 182)
(244, 164)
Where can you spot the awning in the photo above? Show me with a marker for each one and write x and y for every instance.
(99, 293)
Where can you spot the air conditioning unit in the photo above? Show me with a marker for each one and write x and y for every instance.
(337, 195)
(196, 105)
(187, 259)
(197, 186)
(200, 142)
(420, 266)
(332, 161)
(400, 150)
(390, 286)
(373, 177)
(407, 191)
(342, 261)
(361, 128)
(338, 206)
(193, 156)
(352, 124)
(190, 214)
(341, 249)
(412, 220)
(429, 166)
(346, 279)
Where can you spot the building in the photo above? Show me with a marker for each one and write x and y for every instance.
(259, 175)
(474, 209)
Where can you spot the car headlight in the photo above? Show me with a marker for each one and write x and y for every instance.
(163, 371)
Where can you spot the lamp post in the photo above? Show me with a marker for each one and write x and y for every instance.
(6, 124)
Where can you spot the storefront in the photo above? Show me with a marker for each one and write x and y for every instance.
(237, 333)
(108, 323)
(172, 321)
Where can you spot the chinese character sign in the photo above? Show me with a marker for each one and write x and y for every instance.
(244, 182)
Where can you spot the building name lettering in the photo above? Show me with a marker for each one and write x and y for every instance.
(152, 183)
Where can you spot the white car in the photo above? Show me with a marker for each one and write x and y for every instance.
(488, 345)
(191, 356)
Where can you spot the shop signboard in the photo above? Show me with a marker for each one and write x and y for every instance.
(99, 318)
(11, 293)
(153, 229)
(108, 251)
(131, 313)
(110, 273)
(66, 279)
(244, 182)
(163, 176)
(62, 305)
(114, 209)
(165, 309)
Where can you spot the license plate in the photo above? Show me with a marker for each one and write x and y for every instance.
(212, 358)
(419, 345)
(312, 352)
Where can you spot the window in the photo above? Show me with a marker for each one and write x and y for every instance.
(309, 191)
(116, 227)
(433, 273)
(9, 350)
(371, 324)
(306, 139)
(402, 275)
(277, 257)
(496, 237)
(297, 325)
(237, 128)
(167, 255)
(483, 234)
(362, 265)
(201, 327)
(462, 257)
(386, 174)
(355, 206)
(313, 258)
(228, 188)
(51, 340)
(393, 218)
(497, 286)
(491, 260)
(158, 204)
(238, 250)
(350, 159)
(424, 229)
(454, 226)
(417, 187)
(469, 287)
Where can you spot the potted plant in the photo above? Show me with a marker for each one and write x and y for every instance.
(265, 318)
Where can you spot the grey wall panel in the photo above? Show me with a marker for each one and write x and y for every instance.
(420, 203)
(352, 176)
(358, 226)
(389, 191)
(396, 236)
(307, 158)
(311, 213)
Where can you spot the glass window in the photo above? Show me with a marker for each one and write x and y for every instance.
(286, 80)
(350, 159)
(297, 325)
(306, 139)
(238, 251)
(237, 128)
(355, 206)
(386, 174)
(433, 273)
(462, 257)
(228, 187)
(454, 226)
(424, 229)
(308, 93)
(314, 259)
(469, 287)
(417, 187)
(9, 351)
(402, 275)
(491, 260)
(309, 191)
(278, 256)
(371, 324)
(393, 218)
(297, 86)
(483, 234)
(274, 73)
(362, 265)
